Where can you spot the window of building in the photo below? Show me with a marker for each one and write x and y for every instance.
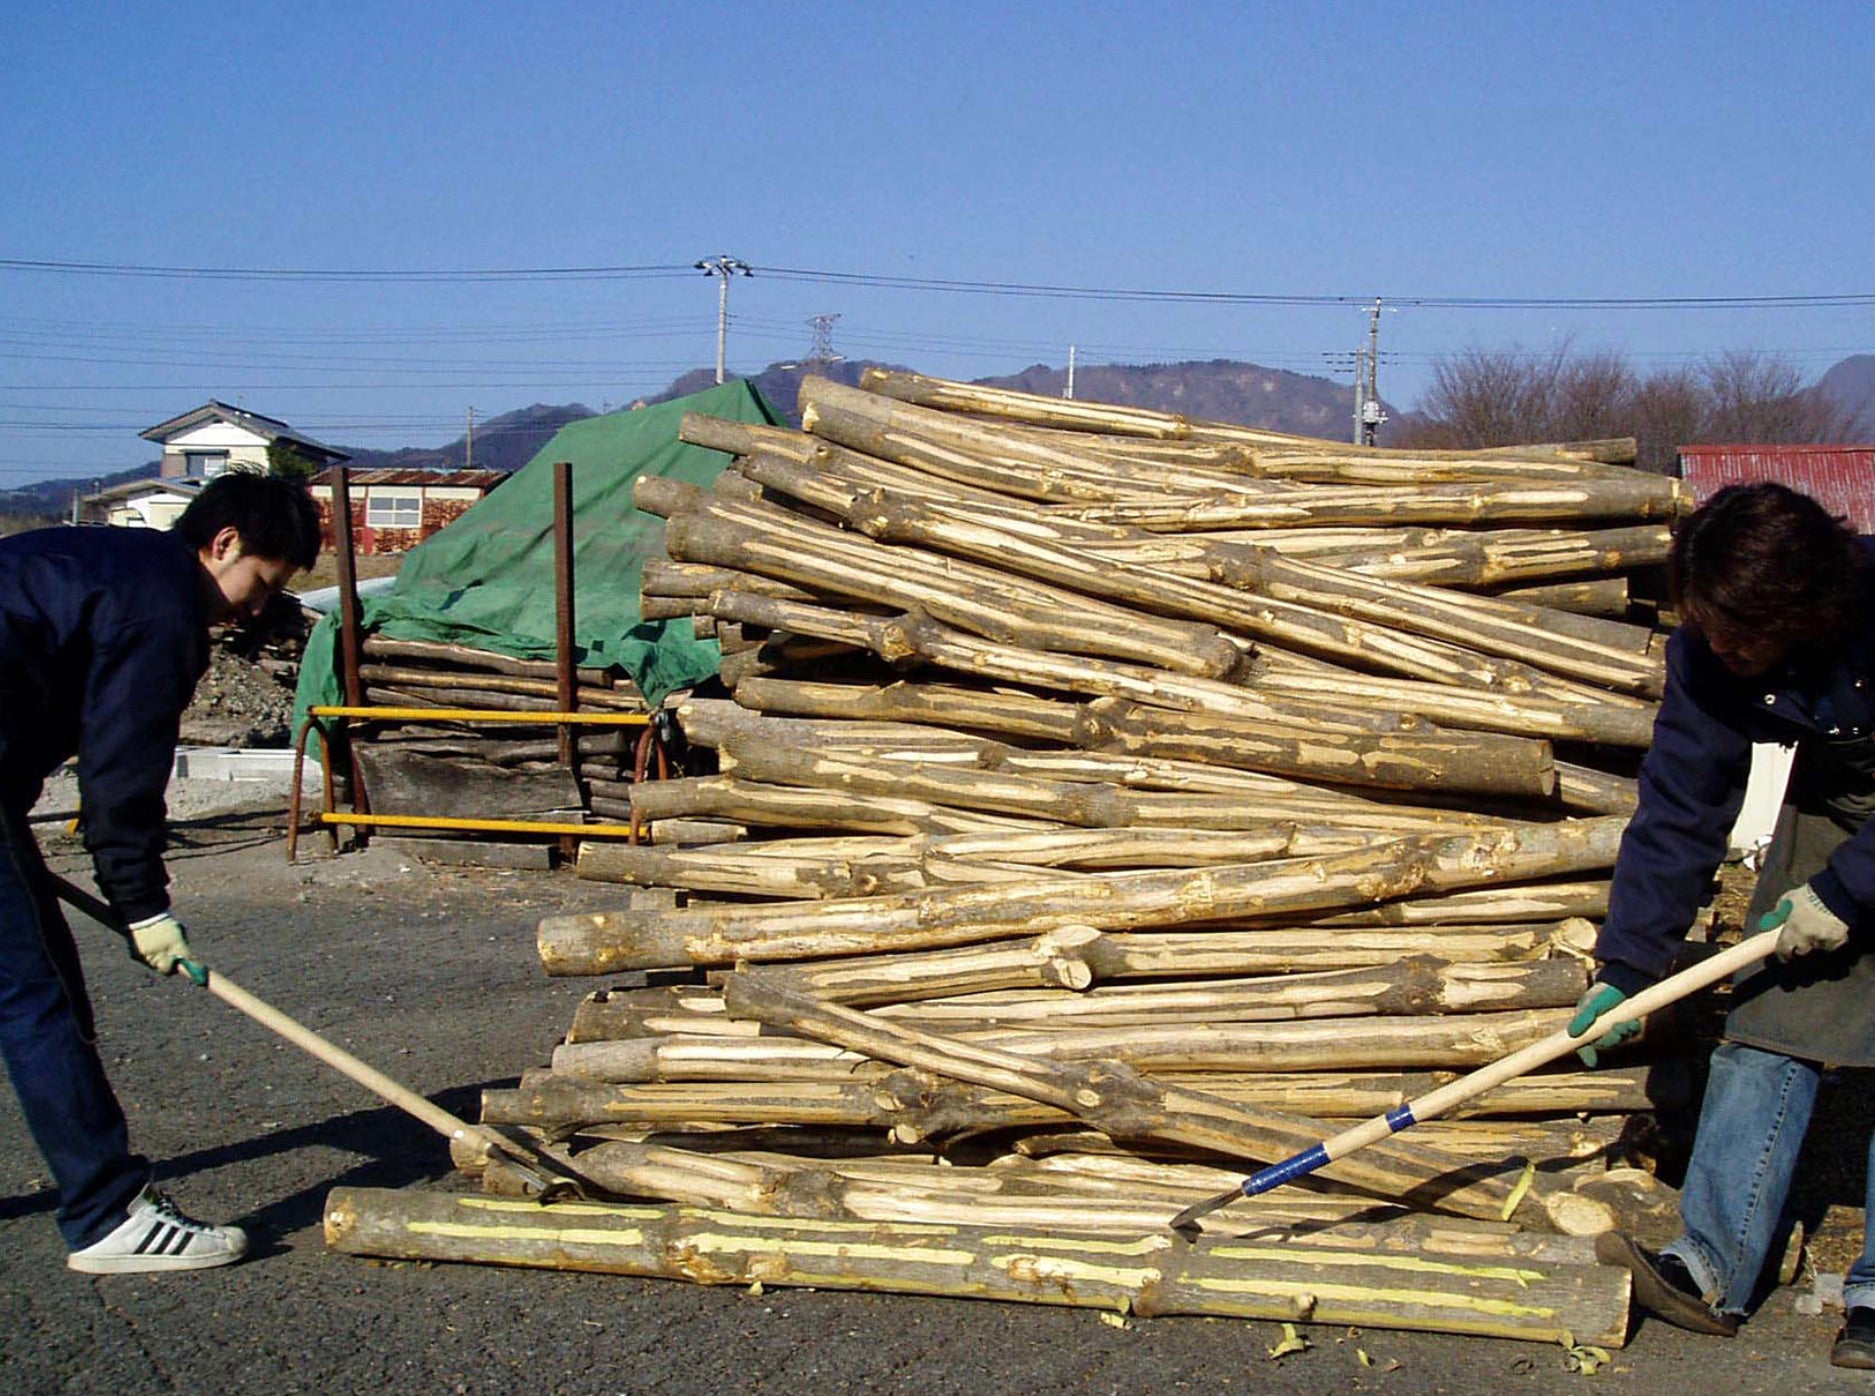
(393, 510)
(204, 465)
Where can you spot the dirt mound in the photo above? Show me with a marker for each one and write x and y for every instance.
(240, 702)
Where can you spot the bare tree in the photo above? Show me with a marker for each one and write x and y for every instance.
(1593, 397)
(1752, 397)
(1494, 397)
(1483, 397)
(1668, 411)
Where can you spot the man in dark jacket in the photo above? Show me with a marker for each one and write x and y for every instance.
(103, 635)
(1777, 644)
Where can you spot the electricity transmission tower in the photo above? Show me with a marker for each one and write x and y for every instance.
(823, 351)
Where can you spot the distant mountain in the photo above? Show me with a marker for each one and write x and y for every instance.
(1220, 390)
(1216, 390)
(779, 383)
(506, 443)
(1851, 386)
(50, 501)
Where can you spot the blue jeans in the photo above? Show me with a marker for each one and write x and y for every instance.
(51, 1049)
(1751, 1128)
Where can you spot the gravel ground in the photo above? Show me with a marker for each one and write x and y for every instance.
(432, 975)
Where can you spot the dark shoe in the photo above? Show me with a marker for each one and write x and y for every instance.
(1855, 1345)
(1665, 1287)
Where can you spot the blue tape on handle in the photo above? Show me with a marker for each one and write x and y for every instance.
(1288, 1170)
(1400, 1117)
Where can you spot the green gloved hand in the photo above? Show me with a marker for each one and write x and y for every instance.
(1803, 924)
(160, 942)
(1600, 999)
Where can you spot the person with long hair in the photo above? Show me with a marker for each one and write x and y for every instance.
(1776, 644)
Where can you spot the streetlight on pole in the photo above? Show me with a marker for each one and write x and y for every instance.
(723, 267)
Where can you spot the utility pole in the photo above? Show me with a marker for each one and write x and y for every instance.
(1068, 392)
(468, 460)
(1371, 415)
(723, 267)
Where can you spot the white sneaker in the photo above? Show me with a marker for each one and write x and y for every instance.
(157, 1236)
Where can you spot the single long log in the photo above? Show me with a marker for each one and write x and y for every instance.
(666, 577)
(780, 868)
(1484, 906)
(739, 438)
(1522, 769)
(1503, 557)
(1609, 597)
(1474, 763)
(603, 943)
(468, 657)
(918, 1107)
(1035, 410)
(1078, 957)
(1417, 985)
(1077, 1194)
(1526, 1300)
(790, 807)
(1585, 790)
(1001, 710)
(589, 696)
(1644, 497)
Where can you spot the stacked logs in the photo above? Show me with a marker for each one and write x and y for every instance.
(1113, 802)
(466, 770)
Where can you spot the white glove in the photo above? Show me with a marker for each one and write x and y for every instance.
(160, 942)
(1807, 925)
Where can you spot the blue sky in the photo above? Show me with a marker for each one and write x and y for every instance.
(1523, 151)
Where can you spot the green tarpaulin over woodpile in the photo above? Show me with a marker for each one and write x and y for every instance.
(487, 579)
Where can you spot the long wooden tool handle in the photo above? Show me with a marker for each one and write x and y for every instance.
(1558, 1044)
(336, 1057)
(304, 1037)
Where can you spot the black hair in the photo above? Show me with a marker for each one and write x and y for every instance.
(1764, 559)
(274, 517)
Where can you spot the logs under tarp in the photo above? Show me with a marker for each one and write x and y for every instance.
(1138, 797)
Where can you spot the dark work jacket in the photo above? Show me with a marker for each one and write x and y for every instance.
(1693, 782)
(103, 636)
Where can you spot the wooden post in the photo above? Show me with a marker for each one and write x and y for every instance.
(566, 671)
(349, 640)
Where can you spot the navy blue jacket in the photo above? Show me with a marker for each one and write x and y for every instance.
(103, 636)
(1693, 782)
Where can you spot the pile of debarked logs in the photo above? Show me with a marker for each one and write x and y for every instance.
(1108, 804)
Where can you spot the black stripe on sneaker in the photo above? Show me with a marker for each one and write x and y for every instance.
(156, 1229)
(183, 1237)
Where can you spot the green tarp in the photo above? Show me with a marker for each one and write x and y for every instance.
(487, 579)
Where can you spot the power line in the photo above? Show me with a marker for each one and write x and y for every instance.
(317, 274)
(1007, 288)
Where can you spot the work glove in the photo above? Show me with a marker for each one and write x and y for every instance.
(1806, 924)
(1599, 999)
(160, 942)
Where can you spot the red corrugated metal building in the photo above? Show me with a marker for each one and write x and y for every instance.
(1840, 478)
(394, 510)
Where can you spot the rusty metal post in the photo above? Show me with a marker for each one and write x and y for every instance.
(349, 640)
(566, 675)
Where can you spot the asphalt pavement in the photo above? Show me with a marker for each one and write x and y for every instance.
(431, 975)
